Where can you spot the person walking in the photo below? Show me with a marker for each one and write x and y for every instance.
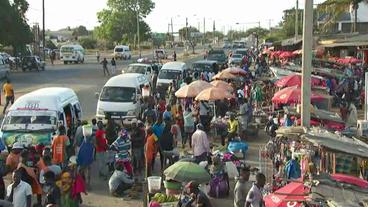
(242, 187)
(150, 151)
(188, 127)
(174, 55)
(53, 193)
(254, 196)
(19, 192)
(200, 144)
(101, 147)
(104, 66)
(59, 144)
(122, 146)
(98, 56)
(113, 66)
(9, 94)
(137, 138)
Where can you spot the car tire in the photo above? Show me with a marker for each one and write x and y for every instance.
(130, 57)
(43, 68)
(65, 62)
(82, 60)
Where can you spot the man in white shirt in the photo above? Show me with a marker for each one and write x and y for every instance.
(255, 197)
(19, 192)
(200, 144)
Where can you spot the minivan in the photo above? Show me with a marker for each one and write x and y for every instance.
(122, 52)
(120, 97)
(34, 117)
(171, 71)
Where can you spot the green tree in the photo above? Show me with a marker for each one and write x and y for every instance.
(50, 44)
(184, 33)
(88, 42)
(288, 22)
(14, 31)
(80, 31)
(119, 20)
(261, 32)
(335, 8)
(158, 39)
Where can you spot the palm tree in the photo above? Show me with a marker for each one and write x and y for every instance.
(335, 8)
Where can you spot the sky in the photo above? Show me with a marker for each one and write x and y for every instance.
(226, 14)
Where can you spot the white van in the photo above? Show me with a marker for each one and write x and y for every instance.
(72, 53)
(141, 68)
(120, 98)
(35, 117)
(122, 52)
(169, 72)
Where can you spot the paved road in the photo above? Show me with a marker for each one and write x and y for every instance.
(86, 79)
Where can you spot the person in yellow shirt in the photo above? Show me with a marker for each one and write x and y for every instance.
(233, 126)
(9, 94)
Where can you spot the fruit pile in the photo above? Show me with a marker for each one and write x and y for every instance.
(163, 198)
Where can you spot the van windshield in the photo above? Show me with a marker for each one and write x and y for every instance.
(136, 69)
(118, 94)
(49, 120)
(169, 74)
(67, 49)
(121, 49)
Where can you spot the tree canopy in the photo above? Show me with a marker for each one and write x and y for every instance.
(80, 31)
(118, 22)
(14, 31)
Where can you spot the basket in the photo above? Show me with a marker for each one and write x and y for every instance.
(154, 184)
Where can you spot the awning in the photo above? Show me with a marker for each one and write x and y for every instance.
(332, 141)
(291, 41)
(345, 44)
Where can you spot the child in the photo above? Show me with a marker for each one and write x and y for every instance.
(242, 187)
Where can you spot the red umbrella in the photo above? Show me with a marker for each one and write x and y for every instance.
(294, 80)
(291, 95)
(286, 54)
(291, 195)
(350, 180)
(348, 60)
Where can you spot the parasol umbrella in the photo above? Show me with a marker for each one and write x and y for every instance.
(223, 75)
(286, 54)
(193, 89)
(183, 171)
(291, 95)
(222, 84)
(236, 71)
(295, 80)
(292, 194)
(213, 94)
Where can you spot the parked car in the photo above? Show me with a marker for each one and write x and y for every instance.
(219, 56)
(205, 66)
(236, 59)
(32, 62)
(5, 57)
(159, 54)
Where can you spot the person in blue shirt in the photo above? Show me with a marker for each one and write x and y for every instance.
(167, 114)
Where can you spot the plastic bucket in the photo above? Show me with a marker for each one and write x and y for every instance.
(154, 184)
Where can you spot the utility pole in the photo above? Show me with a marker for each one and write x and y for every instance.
(204, 30)
(296, 19)
(138, 38)
(307, 62)
(43, 30)
(172, 30)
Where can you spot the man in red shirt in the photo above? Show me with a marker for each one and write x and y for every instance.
(101, 147)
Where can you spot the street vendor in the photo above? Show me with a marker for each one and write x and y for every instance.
(233, 126)
(193, 196)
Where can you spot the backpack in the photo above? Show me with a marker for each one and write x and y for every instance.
(219, 186)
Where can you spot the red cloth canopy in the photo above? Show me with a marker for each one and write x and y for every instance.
(291, 195)
(296, 80)
(291, 95)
